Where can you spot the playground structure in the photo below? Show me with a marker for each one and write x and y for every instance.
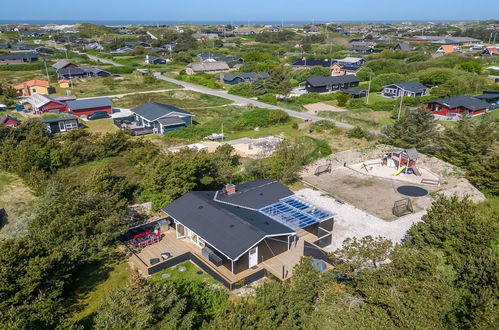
(321, 169)
(404, 161)
(402, 207)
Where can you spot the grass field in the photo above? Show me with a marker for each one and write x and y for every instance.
(101, 126)
(78, 174)
(131, 83)
(17, 201)
(182, 99)
(191, 273)
(94, 281)
(364, 118)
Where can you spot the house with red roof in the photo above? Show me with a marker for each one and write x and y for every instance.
(9, 121)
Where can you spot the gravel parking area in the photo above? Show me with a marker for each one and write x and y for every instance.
(353, 222)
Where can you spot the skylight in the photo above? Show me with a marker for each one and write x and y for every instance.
(295, 213)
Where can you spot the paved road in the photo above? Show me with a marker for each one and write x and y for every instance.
(245, 101)
(98, 59)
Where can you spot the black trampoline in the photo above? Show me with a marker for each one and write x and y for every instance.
(412, 191)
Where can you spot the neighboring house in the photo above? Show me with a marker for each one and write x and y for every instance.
(42, 103)
(320, 84)
(362, 49)
(161, 118)
(355, 93)
(60, 125)
(457, 106)
(122, 50)
(411, 88)
(243, 31)
(81, 72)
(20, 58)
(491, 51)
(309, 63)
(89, 106)
(448, 48)
(207, 67)
(351, 61)
(63, 65)
(231, 59)
(244, 231)
(444, 40)
(136, 43)
(208, 56)
(236, 78)
(94, 46)
(491, 97)
(340, 70)
(403, 46)
(155, 60)
(9, 121)
(31, 87)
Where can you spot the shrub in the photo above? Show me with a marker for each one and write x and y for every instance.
(262, 118)
(358, 133)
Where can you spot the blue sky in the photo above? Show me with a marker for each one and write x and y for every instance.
(253, 10)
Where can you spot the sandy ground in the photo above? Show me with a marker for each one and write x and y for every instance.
(371, 194)
(350, 221)
(374, 168)
(315, 108)
(375, 194)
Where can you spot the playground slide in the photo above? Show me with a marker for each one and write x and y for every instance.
(397, 172)
(416, 171)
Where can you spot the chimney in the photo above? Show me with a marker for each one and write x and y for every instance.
(222, 76)
(230, 189)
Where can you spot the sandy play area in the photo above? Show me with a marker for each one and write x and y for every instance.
(375, 190)
(350, 221)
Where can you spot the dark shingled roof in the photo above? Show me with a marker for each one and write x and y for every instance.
(465, 101)
(319, 81)
(56, 120)
(152, 110)
(310, 62)
(171, 121)
(229, 229)
(411, 86)
(256, 194)
(248, 75)
(89, 103)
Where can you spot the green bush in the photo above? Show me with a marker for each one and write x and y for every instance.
(202, 79)
(23, 67)
(262, 118)
(120, 69)
(359, 133)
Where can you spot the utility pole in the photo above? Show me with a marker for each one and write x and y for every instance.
(222, 132)
(46, 70)
(400, 107)
(369, 88)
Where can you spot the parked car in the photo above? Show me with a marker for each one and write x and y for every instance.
(98, 115)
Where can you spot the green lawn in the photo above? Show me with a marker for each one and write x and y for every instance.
(93, 283)
(102, 126)
(133, 82)
(364, 118)
(192, 273)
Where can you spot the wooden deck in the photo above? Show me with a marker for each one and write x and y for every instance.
(280, 266)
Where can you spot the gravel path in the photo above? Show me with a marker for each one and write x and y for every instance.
(353, 222)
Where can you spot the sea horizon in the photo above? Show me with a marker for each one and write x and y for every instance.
(209, 22)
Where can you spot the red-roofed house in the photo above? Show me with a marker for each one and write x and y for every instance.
(10, 121)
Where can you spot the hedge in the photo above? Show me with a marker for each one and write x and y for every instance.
(23, 67)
